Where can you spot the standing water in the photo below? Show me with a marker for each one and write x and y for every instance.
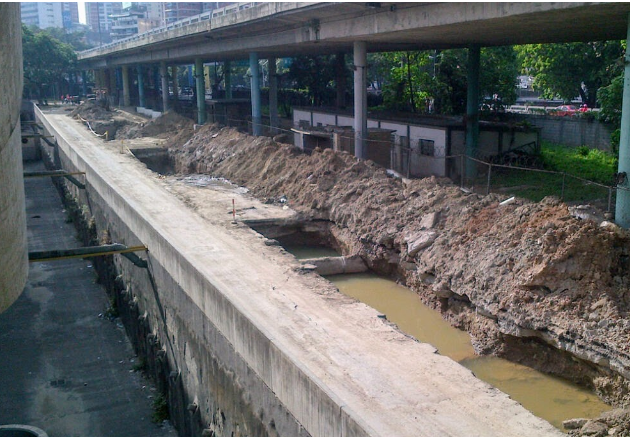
(548, 397)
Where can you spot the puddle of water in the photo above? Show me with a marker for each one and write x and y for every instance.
(303, 252)
(548, 397)
(202, 181)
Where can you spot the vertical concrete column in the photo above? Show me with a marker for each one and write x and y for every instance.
(622, 207)
(472, 110)
(340, 80)
(360, 98)
(164, 74)
(227, 74)
(175, 84)
(84, 82)
(113, 90)
(125, 84)
(273, 96)
(141, 99)
(255, 92)
(201, 91)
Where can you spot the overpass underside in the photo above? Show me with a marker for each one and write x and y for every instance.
(244, 341)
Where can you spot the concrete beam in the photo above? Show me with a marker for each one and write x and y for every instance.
(360, 98)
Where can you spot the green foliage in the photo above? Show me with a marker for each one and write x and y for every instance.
(409, 80)
(316, 75)
(160, 409)
(560, 69)
(46, 60)
(592, 164)
(75, 39)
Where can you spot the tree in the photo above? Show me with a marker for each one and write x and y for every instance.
(571, 69)
(47, 61)
(315, 74)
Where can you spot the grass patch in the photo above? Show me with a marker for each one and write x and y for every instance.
(160, 409)
(591, 164)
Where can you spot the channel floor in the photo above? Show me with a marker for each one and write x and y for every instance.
(66, 368)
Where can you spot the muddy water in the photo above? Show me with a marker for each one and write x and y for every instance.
(302, 252)
(550, 398)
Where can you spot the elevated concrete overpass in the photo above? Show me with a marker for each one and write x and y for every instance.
(288, 29)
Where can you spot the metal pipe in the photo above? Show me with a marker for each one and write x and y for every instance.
(57, 173)
(91, 251)
(622, 212)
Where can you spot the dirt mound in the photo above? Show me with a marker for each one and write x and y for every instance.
(172, 126)
(529, 281)
(91, 110)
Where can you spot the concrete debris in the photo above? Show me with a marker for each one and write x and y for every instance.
(420, 241)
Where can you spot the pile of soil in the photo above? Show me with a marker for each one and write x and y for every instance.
(529, 281)
(91, 110)
(171, 126)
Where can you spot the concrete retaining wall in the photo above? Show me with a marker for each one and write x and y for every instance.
(570, 131)
(13, 249)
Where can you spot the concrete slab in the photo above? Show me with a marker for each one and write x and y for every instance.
(65, 369)
(331, 361)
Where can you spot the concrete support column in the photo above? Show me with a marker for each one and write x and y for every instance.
(255, 91)
(164, 74)
(227, 74)
(360, 99)
(340, 80)
(622, 207)
(141, 99)
(273, 96)
(113, 90)
(472, 110)
(175, 85)
(84, 83)
(125, 84)
(201, 91)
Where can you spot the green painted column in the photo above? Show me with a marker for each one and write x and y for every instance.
(164, 84)
(84, 83)
(622, 207)
(472, 110)
(141, 102)
(201, 91)
(360, 99)
(255, 92)
(274, 121)
(227, 73)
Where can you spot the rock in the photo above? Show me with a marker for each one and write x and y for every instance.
(574, 423)
(420, 241)
(442, 289)
(429, 220)
(586, 212)
(594, 429)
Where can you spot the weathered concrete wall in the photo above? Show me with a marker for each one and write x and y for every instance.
(13, 251)
(570, 131)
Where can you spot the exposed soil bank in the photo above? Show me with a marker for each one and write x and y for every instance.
(529, 281)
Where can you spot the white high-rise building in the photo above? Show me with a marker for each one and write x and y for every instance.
(42, 15)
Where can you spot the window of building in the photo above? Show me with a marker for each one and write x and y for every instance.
(427, 147)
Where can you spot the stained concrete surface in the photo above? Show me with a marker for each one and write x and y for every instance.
(64, 368)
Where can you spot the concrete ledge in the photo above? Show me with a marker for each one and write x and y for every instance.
(148, 112)
(330, 361)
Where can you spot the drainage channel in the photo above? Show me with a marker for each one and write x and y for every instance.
(546, 396)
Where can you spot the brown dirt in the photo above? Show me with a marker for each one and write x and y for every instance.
(529, 281)
(171, 126)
